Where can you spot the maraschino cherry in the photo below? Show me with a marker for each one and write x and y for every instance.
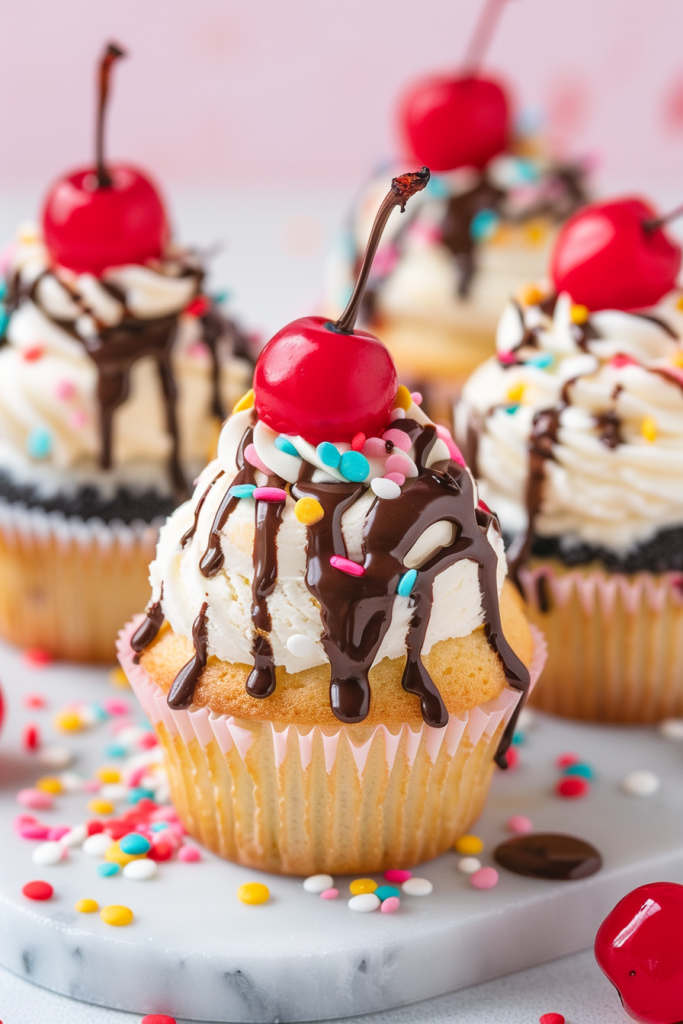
(615, 255)
(106, 215)
(326, 381)
(638, 946)
(451, 121)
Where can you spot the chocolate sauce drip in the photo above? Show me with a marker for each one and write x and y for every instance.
(261, 681)
(609, 428)
(456, 228)
(549, 855)
(189, 534)
(185, 683)
(147, 631)
(213, 558)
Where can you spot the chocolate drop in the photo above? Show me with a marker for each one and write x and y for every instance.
(549, 855)
(185, 683)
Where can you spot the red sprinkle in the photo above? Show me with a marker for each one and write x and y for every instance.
(572, 786)
(34, 700)
(512, 756)
(30, 738)
(33, 353)
(155, 1018)
(507, 358)
(38, 890)
(117, 829)
(551, 1018)
(37, 658)
(347, 566)
(358, 442)
(397, 875)
(94, 827)
(565, 760)
(148, 741)
(198, 306)
(482, 504)
(621, 359)
(160, 852)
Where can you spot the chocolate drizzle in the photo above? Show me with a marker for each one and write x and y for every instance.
(213, 558)
(147, 631)
(189, 534)
(261, 681)
(185, 682)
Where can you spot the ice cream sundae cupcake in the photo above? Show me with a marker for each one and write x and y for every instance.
(332, 659)
(116, 371)
(575, 433)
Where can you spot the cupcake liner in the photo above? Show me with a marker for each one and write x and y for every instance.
(66, 584)
(615, 643)
(303, 800)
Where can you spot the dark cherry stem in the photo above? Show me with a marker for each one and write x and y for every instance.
(110, 56)
(482, 35)
(402, 188)
(654, 224)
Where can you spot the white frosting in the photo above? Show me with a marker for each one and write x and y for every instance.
(611, 497)
(456, 610)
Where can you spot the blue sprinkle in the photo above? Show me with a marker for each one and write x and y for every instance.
(437, 188)
(483, 225)
(542, 360)
(328, 454)
(220, 297)
(159, 826)
(511, 409)
(385, 891)
(99, 712)
(242, 490)
(584, 770)
(283, 444)
(527, 170)
(138, 793)
(4, 320)
(406, 583)
(39, 443)
(3, 288)
(354, 466)
(518, 739)
(107, 870)
(115, 750)
(135, 844)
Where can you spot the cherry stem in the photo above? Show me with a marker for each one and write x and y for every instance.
(482, 35)
(402, 188)
(655, 223)
(110, 56)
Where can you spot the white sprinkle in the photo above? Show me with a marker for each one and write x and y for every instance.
(113, 791)
(140, 870)
(72, 782)
(384, 488)
(672, 729)
(88, 715)
(48, 853)
(97, 844)
(130, 736)
(397, 414)
(468, 865)
(642, 783)
(417, 887)
(301, 646)
(364, 903)
(526, 720)
(318, 883)
(76, 837)
(55, 757)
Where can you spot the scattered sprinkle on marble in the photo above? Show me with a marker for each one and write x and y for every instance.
(100, 807)
(390, 905)
(107, 870)
(34, 700)
(158, 1018)
(398, 875)
(364, 903)
(318, 883)
(361, 885)
(672, 729)
(572, 787)
(469, 845)
(38, 890)
(48, 854)
(329, 894)
(55, 757)
(468, 865)
(87, 906)
(97, 845)
(134, 843)
(417, 887)
(385, 892)
(116, 915)
(564, 760)
(35, 657)
(641, 783)
(551, 1018)
(140, 870)
(30, 737)
(484, 878)
(581, 769)
(520, 823)
(35, 799)
(253, 893)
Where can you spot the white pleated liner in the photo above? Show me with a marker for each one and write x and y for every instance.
(654, 591)
(204, 725)
(32, 521)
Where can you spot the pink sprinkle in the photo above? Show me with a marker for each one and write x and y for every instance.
(374, 448)
(347, 566)
(453, 449)
(358, 442)
(329, 894)
(78, 418)
(34, 700)
(484, 878)
(91, 786)
(55, 834)
(506, 358)
(513, 759)
(119, 726)
(115, 706)
(399, 875)
(65, 390)
(520, 823)
(566, 760)
(253, 459)
(189, 854)
(399, 438)
(164, 814)
(416, 397)
(398, 463)
(391, 904)
(269, 494)
(35, 799)
(621, 359)
(34, 831)
(398, 478)
(198, 350)
(148, 741)
(37, 658)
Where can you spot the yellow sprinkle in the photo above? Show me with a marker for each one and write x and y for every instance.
(469, 845)
(116, 915)
(530, 295)
(535, 232)
(87, 906)
(678, 360)
(106, 774)
(579, 314)
(360, 885)
(245, 402)
(117, 677)
(679, 302)
(309, 511)
(648, 429)
(115, 855)
(515, 392)
(253, 892)
(502, 235)
(48, 784)
(68, 721)
(100, 807)
(403, 398)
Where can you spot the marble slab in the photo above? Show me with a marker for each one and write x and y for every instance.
(195, 952)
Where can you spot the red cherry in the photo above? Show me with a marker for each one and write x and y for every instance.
(638, 946)
(456, 122)
(615, 255)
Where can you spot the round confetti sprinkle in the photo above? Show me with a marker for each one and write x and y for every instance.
(242, 490)
(384, 892)
(484, 224)
(572, 787)
(116, 915)
(390, 905)
(134, 844)
(354, 466)
(672, 729)
(564, 760)
(584, 771)
(398, 875)
(107, 870)
(484, 878)
(76, 836)
(398, 438)
(39, 443)
(48, 784)
(87, 906)
(469, 845)
(48, 854)
(34, 700)
(270, 494)
(358, 441)
(189, 854)
(396, 478)
(328, 454)
(140, 870)
(318, 883)
(158, 1018)
(68, 721)
(403, 399)
(283, 444)
(648, 429)
(96, 845)
(55, 757)
(520, 824)
(406, 583)
(309, 511)
(551, 1018)
(35, 799)
(329, 894)
(100, 807)
(252, 457)
(416, 397)
(38, 890)
(301, 646)
(347, 566)
(468, 865)
(364, 903)
(386, 489)
(417, 887)
(245, 402)
(361, 885)
(642, 783)
(253, 893)
(36, 657)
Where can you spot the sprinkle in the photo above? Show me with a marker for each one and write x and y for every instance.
(140, 870)
(86, 906)
(483, 225)
(572, 787)
(672, 729)
(354, 466)
(398, 875)
(75, 836)
(530, 295)
(189, 855)
(406, 583)
(511, 409)
(347, 566)
(35, 799)
(29, 830)
(361, 885)
(364, 903)
(390, 905)
(398, 463)
(55, 757)
(251, 455)
(403, 399)
(97, 844)
(468, 865)
(242, 490)
(301, 645)
(34, 700)
(38, 890)
(469, 845)
(68, 721)
(397, 414)
(106, 774)
(535, 233)
(507, 358)
(100, 807)
(117, 677)
(108, 870)
(39, 442)
(253, 893)
(641, 783)
(484, 878)
(318, 883)
(516, 392)
(135, 843)
(677, 360)
(383, 488)
(620, 360)
(396, 478)
(542, 361)
(283, 444)
(512, 759)
(384, 892)
(245, 402)
(583, 770)
(546, 1018)
(48, 854)
(270, 494)
(198, 306)
(49, 784)
(116, 915)
(158, 1018)
(33, 353)
(579, 314)
(648, 428)
(520, 824)
(77, 419)
(564, 760)
(398, 438)
(416, 397)
(65, 390)
(375, 448)
(329, 894)
(309, 511)
(358, 442)
(30, 737)
(115, 855)
(417, 887)
(328, 454)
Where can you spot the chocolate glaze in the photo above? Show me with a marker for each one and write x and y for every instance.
(185, 682)
(261, 681)
(213, 558)
(189, 534)
(147, 631)
(549, 855)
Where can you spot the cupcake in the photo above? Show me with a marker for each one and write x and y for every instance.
(575, 434)
(115, 373)
(332, 659)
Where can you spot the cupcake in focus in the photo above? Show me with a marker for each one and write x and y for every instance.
(575, 434)
(115, 372)
(332, 659)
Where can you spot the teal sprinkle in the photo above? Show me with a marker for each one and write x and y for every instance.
(583, 770)
(511, 409)
(542, 360)
(283, 444)
(483, 225)
(39, 443)
(107, 870)
(99, 712)
(385, 891)
(518, 739)
(3, 288)
(220, 297)
(115, 750)
(354, 466)
(437, 188)
(138, 793)
(134, 844)
(527, 171)
(406, 583)
(242, 490)
(159, 826)
(4, 320)
(328, 454)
